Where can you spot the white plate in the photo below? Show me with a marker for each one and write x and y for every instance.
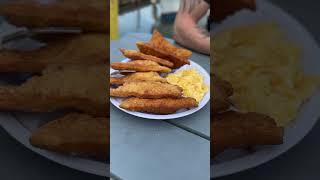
(236, 161)
(181, 113)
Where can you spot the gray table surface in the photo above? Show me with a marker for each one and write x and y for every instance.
(301, 162)
(155, 149)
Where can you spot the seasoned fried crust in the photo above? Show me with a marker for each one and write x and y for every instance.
(76, 134)
(158, 106)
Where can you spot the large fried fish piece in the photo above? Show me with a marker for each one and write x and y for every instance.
(140, 66)
(85, 49)
(138, 76)
(149, 49)
(239, 130)
(158, 106)
(79, 88)
(136, 55)
(158, 41)
(75, 134)
(222, 90)
(224, 8)
(151, 90)
(90, 16)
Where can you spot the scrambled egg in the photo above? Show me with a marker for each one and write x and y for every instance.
(191, 81)
(264, 69)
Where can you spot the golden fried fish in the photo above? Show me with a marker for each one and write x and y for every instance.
(140, 66)
(158, 106)
(138, 76)
(75, 134)
(136, 55)
(152, 90)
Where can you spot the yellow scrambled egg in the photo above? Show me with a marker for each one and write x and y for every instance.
(264, 69)
(191, 81)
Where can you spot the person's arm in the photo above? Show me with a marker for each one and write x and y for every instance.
(186, 30)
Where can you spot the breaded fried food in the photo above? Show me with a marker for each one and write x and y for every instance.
(149, 49)
(79, 88)
(222, 90)
(90, 16)
(86, 49)
(136, 55)
(140, 66)
(238, 130)
(138, 76)
(158, 41)
(158, 106)
(75, 134)
(224, 8)
(151, 90)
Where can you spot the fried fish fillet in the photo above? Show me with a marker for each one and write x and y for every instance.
(222, 90)
(238, 130)
(90, 16)
(158, 106)
(76, 134)
(152, 90)
(136, 55)
(85, 49)
(140, 66)
(158, 41)
(138, 76)
(149, 49)
(224, 8)
(79, 88)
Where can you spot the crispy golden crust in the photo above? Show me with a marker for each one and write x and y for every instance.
(139, 76)
(158, 106)
(76, 134)
(78, 88)
(91, 16)
(153, 90)
(85, 49)
(222, 90)
(224, 8)
(158, 41)
(136, 55)
(149, 49)
(140, 66)
(237, 130)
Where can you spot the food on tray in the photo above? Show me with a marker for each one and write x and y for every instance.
(89, 15)
(222, 90)
(85, 49)
(138, 76)
(78, 88)
(264, 69)
(140, 66)
(225, 8)
(237, 130)
(152, 90)
(136, 55)
(158, 106)
(191, 81)
(75, 134)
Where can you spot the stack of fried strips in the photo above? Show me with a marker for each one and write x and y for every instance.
(69, 75)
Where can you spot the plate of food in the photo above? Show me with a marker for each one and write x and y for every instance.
(266, 85)
(52, 96)
(158, 81)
